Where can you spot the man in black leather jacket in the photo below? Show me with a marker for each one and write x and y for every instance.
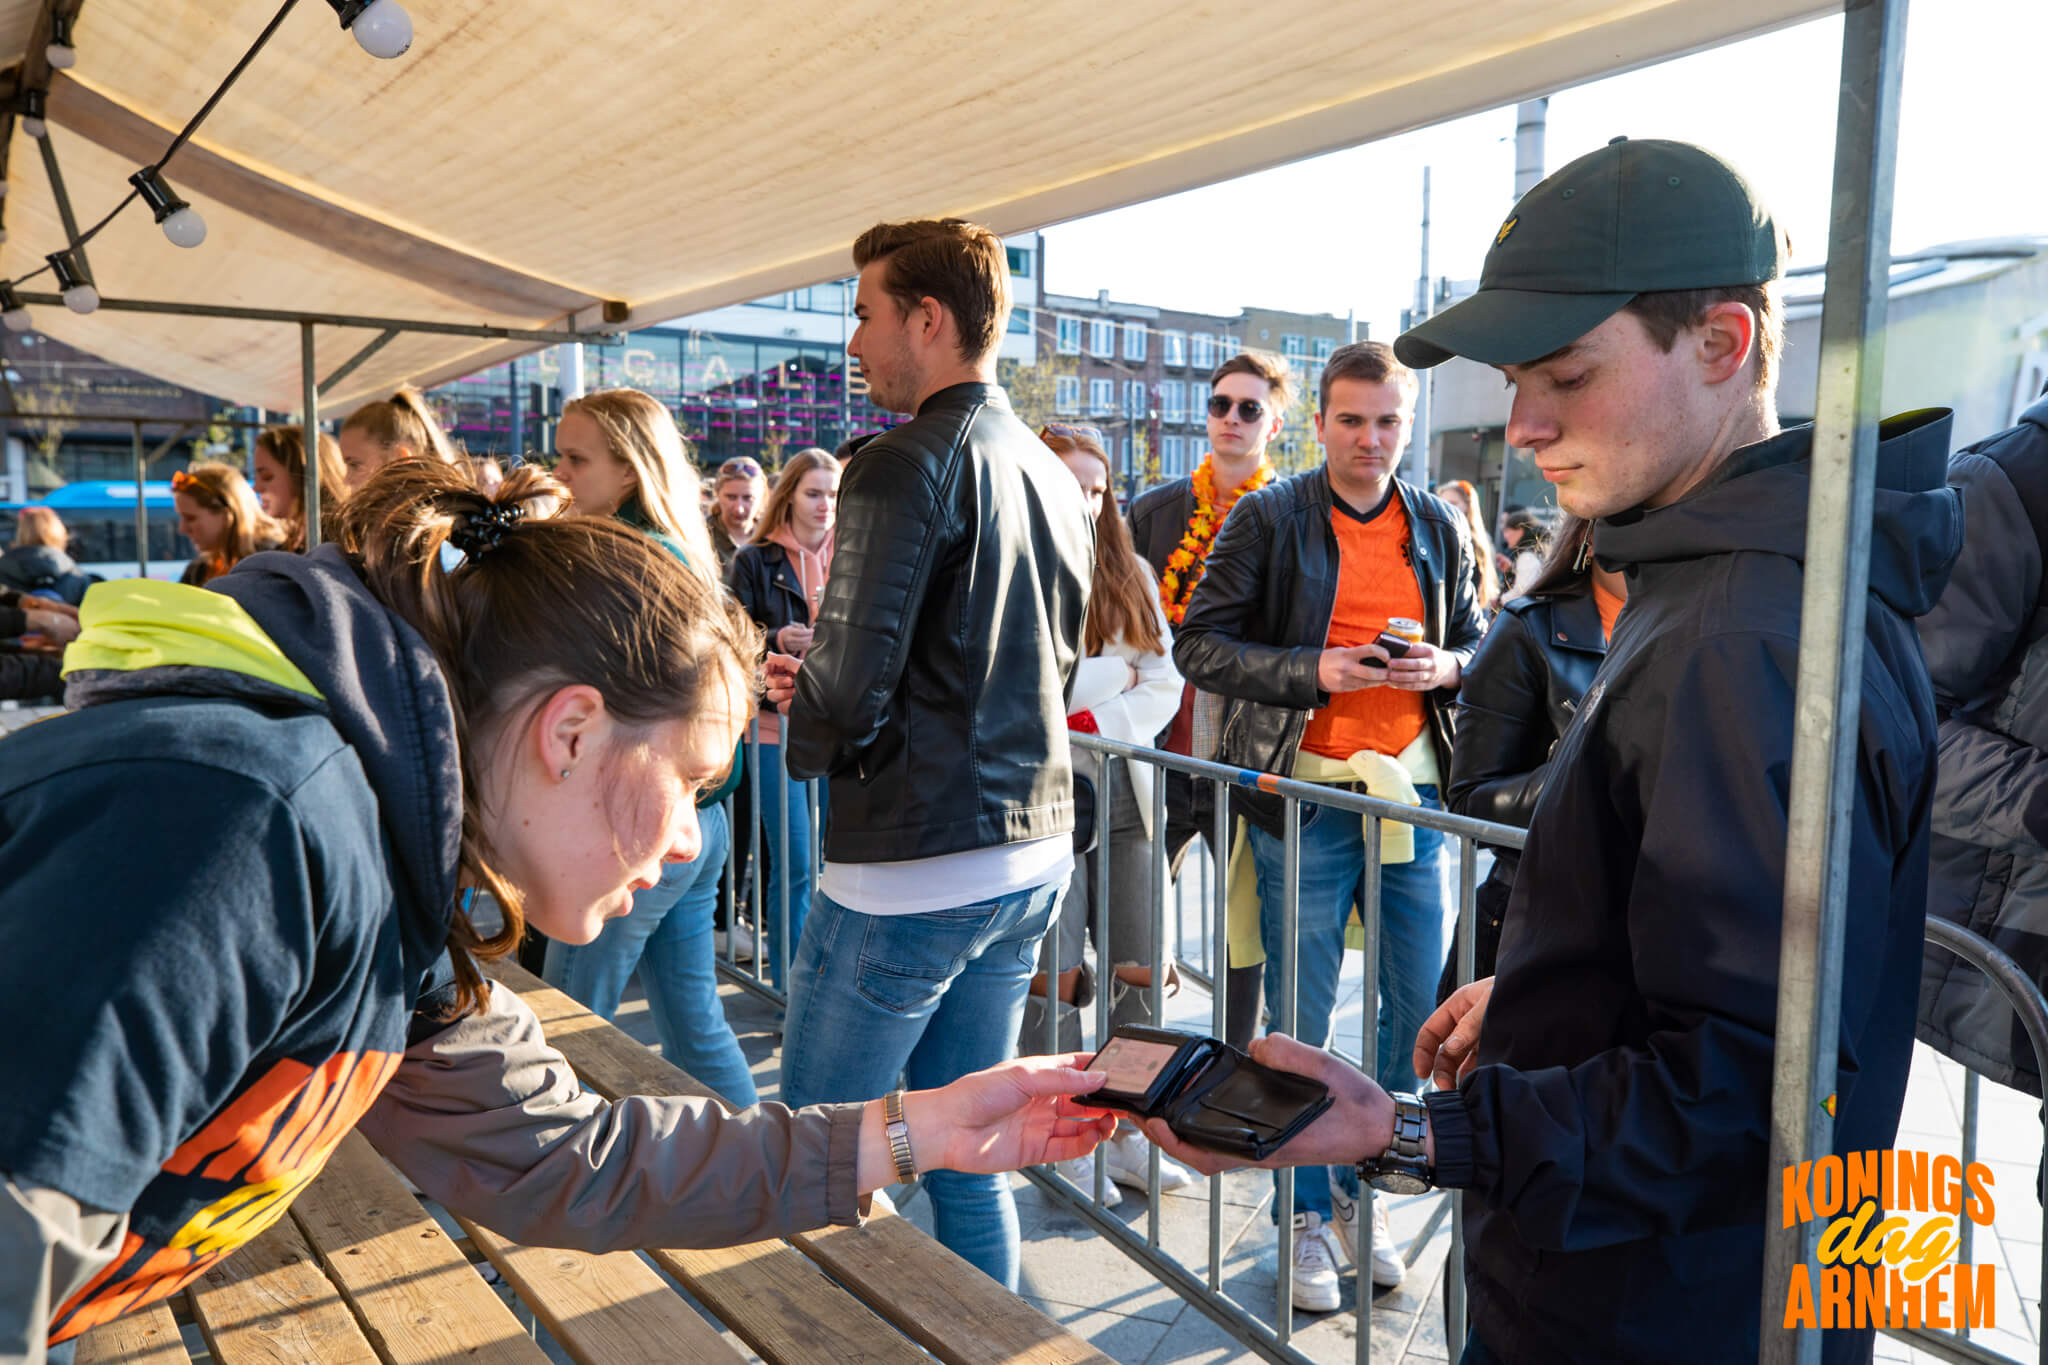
(934, 699)
(1304, 577)
(1605, 1101)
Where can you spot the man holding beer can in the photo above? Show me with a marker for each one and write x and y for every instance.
(1337, 614)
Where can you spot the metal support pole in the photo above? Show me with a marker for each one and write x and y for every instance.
(48, 146)
(1104, 949)
(141, 503)
(1161, 957)
(1219, 996)
(1369, 1055)
(354, 362)
(1833, 607)
(309, 434)
(1290, 992)
(1468, 967)
(537, 335)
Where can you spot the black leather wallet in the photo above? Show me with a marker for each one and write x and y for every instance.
(1208, 1092)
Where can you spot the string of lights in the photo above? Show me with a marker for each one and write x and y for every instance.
(381, 28)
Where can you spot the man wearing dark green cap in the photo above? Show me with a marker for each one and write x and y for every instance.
(1610, 1121)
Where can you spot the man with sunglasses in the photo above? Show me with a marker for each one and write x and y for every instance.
(1337, 614)
(1172, 527)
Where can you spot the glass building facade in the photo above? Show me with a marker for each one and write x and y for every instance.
(731, 394)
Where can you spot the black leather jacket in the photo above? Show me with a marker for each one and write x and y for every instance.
(1256, 628)
(934, 695)
(761, 577)
(1519, 693)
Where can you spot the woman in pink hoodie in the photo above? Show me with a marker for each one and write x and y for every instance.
(779, 578)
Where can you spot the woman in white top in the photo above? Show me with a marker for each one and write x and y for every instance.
(1125, 688)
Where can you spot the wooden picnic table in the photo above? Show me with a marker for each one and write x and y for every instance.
(360, 1273)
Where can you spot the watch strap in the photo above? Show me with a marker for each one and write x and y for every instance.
(898, 1131)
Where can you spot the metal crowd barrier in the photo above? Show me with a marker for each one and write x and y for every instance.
(1206, 1291)
(1203, 1287)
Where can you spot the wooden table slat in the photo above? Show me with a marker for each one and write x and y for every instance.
(927, 1291)
(771, 1297)
(271, 1304)
(419, 1300)
(146, 1336)
(603, 1308)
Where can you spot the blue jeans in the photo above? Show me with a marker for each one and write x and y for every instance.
(668, 938)
(1411, 948)
(929, 997)
(783, 799)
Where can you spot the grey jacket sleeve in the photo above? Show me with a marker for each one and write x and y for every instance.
(1990, 789)
(489, 1119)
(50, 1247)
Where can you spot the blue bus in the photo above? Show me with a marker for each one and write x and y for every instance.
(100, 515)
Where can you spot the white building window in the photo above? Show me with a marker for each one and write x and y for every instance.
(1174, 461)
(1134, 341)
(1205, 352)
(1134, 398)
(1124, 446)
(1295, 348)
(1102, 338)
(1176, 344)
(1172, 401)
(1066, 394)
(1324, 345)
(1070, 336)
(1102, 397)
(1198, 402)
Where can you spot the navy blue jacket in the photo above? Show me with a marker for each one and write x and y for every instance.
(1614, 1138)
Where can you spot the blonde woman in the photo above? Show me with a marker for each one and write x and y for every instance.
(219, 514)
(620, 456)
(401, 427)
(40, 563)
(277, 469)
(780, 579)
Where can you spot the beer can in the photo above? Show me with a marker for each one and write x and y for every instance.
(1411, 631)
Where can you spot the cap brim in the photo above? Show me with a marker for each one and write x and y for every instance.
(1506, 327)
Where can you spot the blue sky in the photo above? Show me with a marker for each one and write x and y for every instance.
(1342, 231)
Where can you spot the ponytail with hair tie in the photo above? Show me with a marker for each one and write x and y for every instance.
(479, 533)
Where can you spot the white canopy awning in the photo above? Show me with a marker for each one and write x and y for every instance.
(529, 159)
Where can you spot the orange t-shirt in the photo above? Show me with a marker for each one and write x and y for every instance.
(1610, 607)
(1375, 583)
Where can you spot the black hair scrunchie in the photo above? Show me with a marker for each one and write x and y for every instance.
(479, 532)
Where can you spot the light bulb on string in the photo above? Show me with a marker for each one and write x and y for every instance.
(62, 55)
(32, 111)
(179, 220)
(381, 28)
(12, 311)
(73, 282)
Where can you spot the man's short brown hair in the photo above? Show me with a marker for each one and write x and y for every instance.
(960, 264)
(1371, 361)
(1265, 365)
(1666, 313)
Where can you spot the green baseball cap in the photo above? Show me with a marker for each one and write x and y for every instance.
(1631, 218)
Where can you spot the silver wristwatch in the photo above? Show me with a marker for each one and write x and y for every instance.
(1404, 1167)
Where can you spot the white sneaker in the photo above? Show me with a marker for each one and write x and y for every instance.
(1315, 1265)
(1127, 1154)
(742, 943)
(1081, 1170)
(1388, 1269)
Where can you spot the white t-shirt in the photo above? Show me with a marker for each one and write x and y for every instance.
(917, 886)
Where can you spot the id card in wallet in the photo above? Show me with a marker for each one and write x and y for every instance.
(1208, 1092)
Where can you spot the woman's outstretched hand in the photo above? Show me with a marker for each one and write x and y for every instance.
(1012, 1115)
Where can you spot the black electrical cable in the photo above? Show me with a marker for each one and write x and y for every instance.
(184, 135)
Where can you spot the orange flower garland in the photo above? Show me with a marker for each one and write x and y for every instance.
(1184, 566)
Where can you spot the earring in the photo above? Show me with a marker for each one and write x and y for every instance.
(565, 774)
(1585, 557)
